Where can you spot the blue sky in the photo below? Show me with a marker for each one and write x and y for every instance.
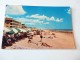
(41, 17)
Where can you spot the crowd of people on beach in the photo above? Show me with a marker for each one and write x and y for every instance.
(10, 39)
(42, 36)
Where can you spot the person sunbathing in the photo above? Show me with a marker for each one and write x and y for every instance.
(54, 35)
(45, 44)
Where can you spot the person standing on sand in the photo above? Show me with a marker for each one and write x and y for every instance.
(30, 37)
(41, 37)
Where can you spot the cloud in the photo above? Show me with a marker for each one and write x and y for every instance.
(29, 24)
(59, 20)
(43, 17)
(40, 17)
(34, 21)
(69, 11)
(15, 10)
(46, 23)
(52, 18)
(29, 21)
(22, 20)
(37, 21)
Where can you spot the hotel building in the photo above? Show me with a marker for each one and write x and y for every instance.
(11, 23)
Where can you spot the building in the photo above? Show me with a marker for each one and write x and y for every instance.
(11, 23)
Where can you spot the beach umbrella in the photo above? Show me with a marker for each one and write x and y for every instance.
(18, 29)
(6, 29)
(22, 30)
(29, 29)
(26, 29)
(14, 30)
(11, 32)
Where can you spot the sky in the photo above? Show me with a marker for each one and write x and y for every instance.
(42, 17)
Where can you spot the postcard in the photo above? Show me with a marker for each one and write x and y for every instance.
(38, 27)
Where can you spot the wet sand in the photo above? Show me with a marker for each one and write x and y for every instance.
(61, 41)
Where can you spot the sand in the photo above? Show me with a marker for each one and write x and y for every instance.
(61, 41)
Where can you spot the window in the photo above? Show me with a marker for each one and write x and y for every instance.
(10, 23)
(7, 21)
(10, 26)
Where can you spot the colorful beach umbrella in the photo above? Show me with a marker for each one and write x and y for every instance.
(18, 29)
(22, 30)
(11, 32)
(15, 30)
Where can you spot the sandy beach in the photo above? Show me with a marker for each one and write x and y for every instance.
(61, 41)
